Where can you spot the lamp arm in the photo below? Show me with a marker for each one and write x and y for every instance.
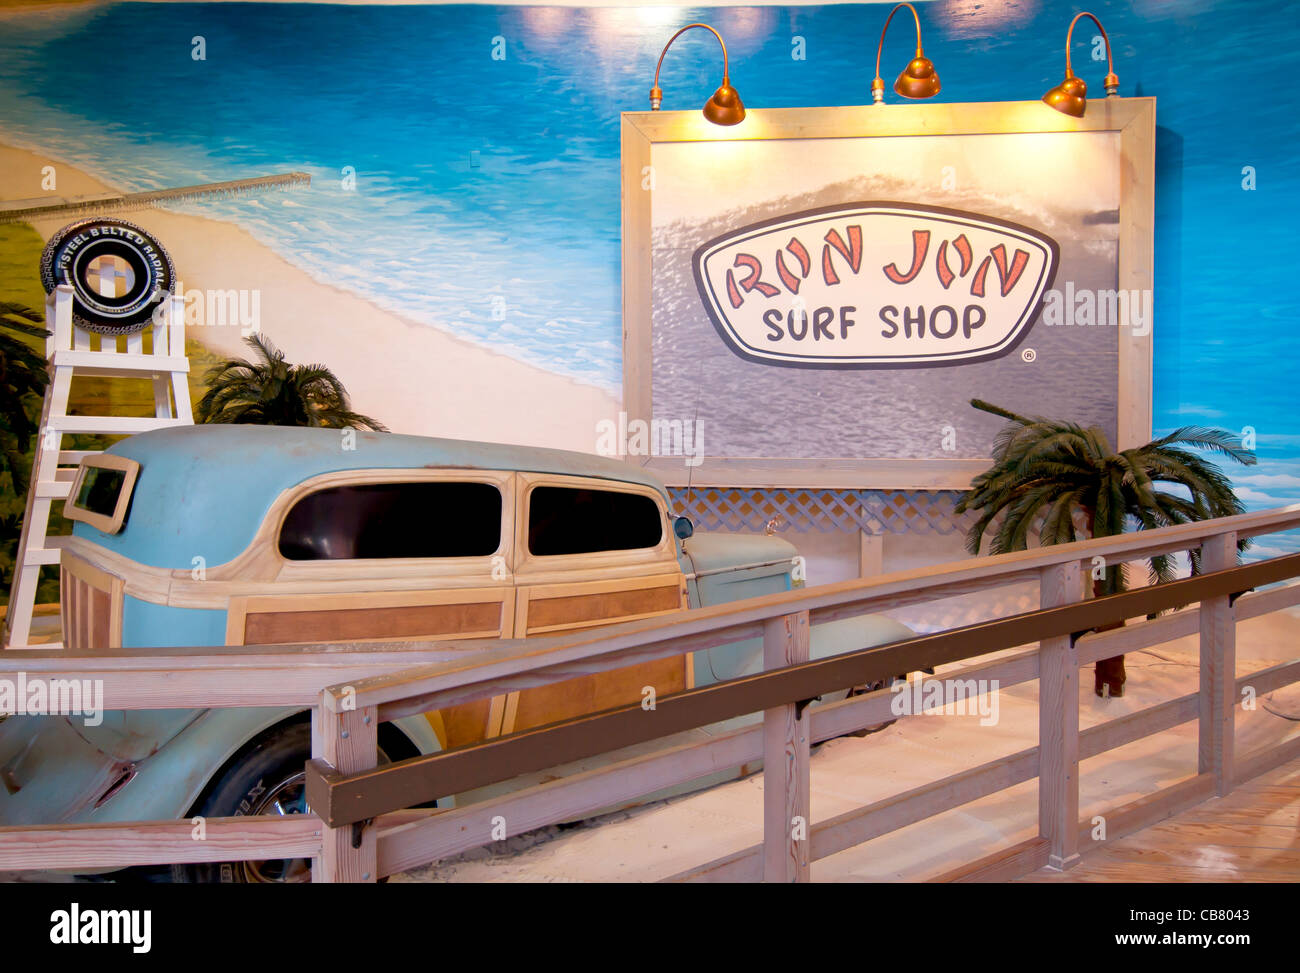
(881, 46)
(726, 72)
(1110, 64)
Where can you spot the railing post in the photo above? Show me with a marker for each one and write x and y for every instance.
(348, 742)
(1218, 691)
(1058, 723)
(786, 818)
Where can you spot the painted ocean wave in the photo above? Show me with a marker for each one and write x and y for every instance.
(422, 234)
(479, 179)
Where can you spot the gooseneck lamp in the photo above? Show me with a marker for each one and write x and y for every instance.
(1071, 95)
(725, 107)
(918, 79)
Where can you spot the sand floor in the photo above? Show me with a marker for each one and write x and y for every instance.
(659, 840)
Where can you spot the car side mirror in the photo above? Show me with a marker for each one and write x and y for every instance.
(683, 527)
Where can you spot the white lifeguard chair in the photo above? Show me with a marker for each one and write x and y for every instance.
(71, 351)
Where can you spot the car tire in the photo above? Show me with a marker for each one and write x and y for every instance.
(863, 690)
(266, 773)
(118, 271)
(267, 777)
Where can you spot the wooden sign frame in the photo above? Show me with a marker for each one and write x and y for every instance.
(1132, 118)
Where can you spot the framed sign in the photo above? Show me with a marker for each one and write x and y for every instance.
(815, 295)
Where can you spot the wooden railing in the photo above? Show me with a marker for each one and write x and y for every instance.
(360, 830)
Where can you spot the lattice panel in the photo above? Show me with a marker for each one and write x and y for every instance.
(872, 511)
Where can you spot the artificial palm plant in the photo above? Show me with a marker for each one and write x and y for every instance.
(1066, 483)
(272, 392)
(22, 383)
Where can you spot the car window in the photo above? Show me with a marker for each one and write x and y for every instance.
(576, 520)
(394, 520)
(100, 489)
(101, 492)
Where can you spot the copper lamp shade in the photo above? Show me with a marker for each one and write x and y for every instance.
(919, 79)
(1071, 95)
(725, 107)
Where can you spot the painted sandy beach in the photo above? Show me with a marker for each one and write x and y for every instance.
(412, 377)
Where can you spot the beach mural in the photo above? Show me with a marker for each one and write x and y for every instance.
(456, 257)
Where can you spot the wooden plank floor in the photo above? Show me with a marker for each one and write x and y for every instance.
(1252, 835)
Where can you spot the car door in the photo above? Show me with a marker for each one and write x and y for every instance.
(363, 555)
(587, 553)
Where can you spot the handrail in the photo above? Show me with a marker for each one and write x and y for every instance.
(345, 799)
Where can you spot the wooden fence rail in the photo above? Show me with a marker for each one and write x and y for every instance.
(359, 833)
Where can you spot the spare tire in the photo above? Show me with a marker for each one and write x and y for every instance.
(118, 272)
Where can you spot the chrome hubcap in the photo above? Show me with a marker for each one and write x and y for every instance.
(287, 797)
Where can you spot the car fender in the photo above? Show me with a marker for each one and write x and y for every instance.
(167, 784)
(851, 634)
(419, 731)
(745, 658)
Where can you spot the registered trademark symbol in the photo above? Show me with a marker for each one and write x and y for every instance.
(1028, 354)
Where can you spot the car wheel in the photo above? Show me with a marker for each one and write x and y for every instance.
(267, 777)
(871, 688)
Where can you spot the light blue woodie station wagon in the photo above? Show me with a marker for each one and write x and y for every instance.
(233, 535)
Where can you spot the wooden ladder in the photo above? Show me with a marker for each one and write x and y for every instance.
(69, 352)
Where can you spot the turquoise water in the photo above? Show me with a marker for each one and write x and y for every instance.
(479, 178)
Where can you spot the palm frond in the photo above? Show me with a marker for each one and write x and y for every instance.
(268, 390)
(1215, 440)
(1045, 472)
